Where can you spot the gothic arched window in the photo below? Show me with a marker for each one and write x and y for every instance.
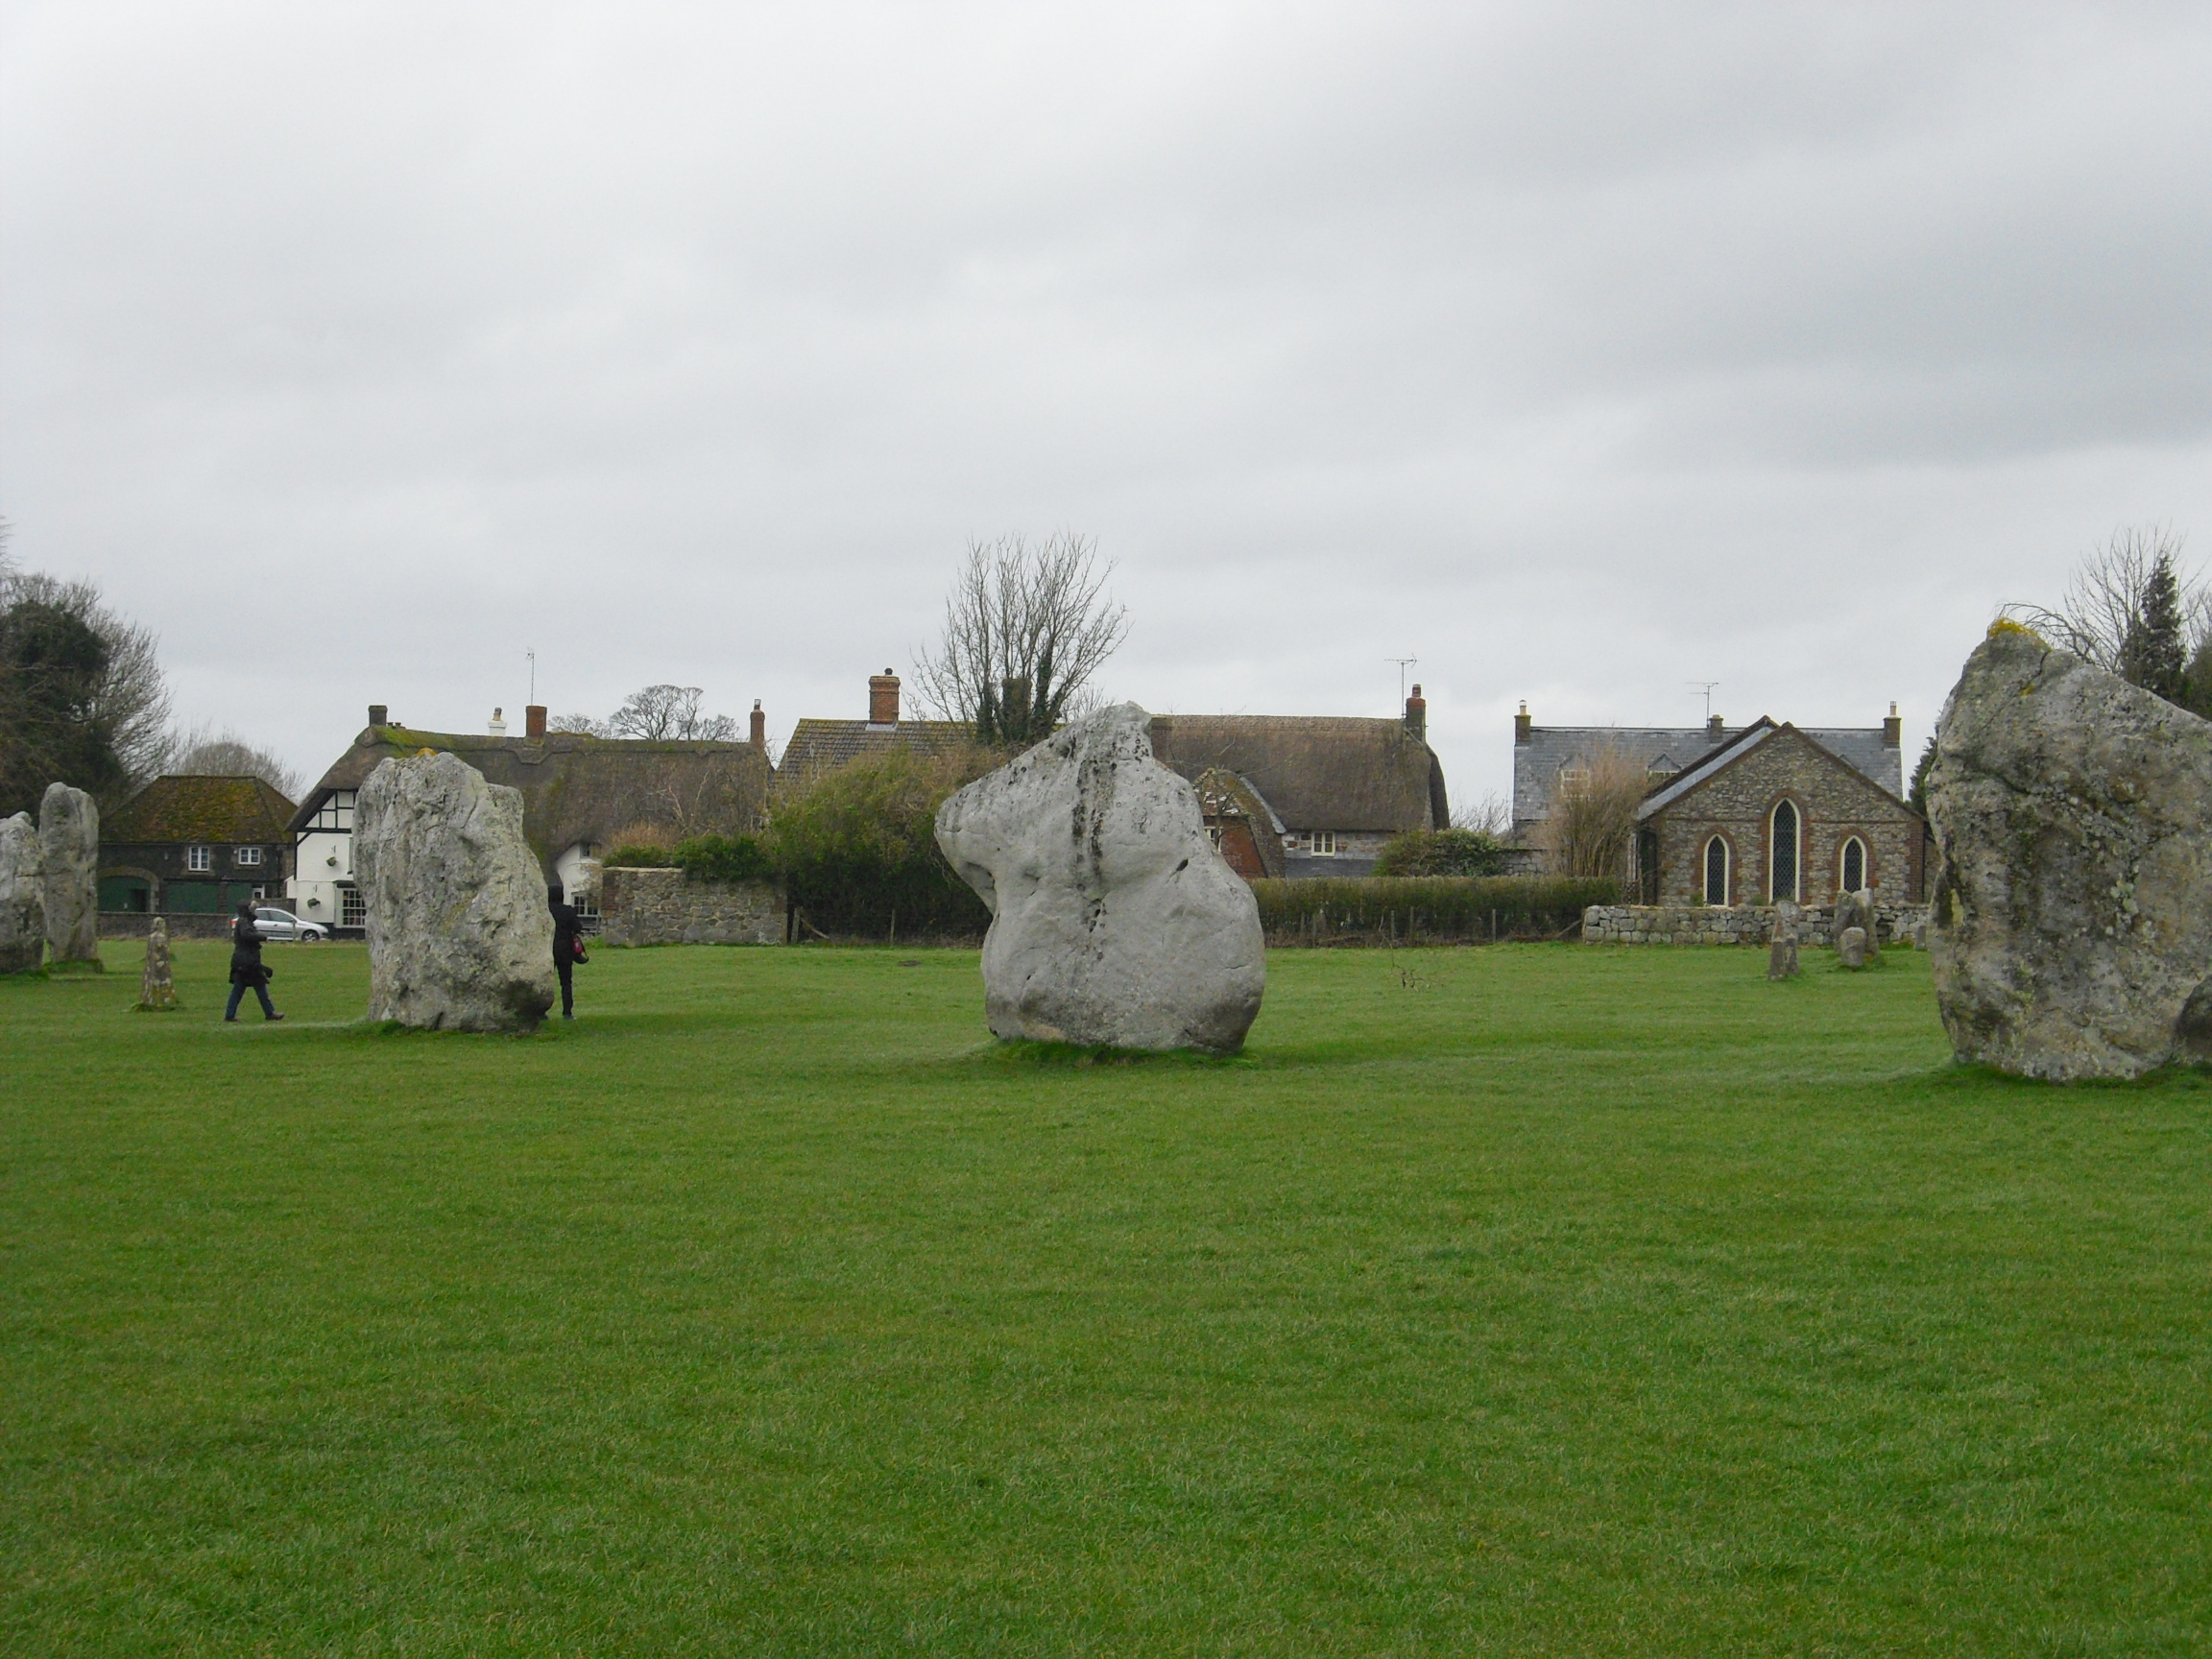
(1717, 870)
(1784, 853)
(1854, 864)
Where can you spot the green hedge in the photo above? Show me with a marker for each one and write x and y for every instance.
(1426, 910)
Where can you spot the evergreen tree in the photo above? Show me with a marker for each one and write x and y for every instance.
(1917, 800)
(2153, 653)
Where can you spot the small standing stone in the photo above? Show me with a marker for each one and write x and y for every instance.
(1782, 952)
(22, 896)
(1851, 947)
(157, 988)
(69, 860)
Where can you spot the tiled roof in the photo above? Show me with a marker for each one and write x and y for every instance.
(1538, 762)
(1315, 772)
(179, 807)
(819, 746)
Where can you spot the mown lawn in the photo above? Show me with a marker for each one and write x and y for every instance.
(1522, 1300)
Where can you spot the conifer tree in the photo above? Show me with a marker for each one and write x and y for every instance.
(2154, 651)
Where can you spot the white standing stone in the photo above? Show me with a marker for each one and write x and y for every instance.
(2072, 932)
(1114, 920)
(22, 896)
(460, 936)
(69, 859)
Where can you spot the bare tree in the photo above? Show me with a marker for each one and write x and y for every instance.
(2103, 616)
(1492, 815)
(669, 713)
(1591, 825)
(202, 753)
(1027, 630)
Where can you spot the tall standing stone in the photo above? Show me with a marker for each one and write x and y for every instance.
(22, 896)
(158, 984)
(459, 937)
(69, 860)
(2072, 898)
(1782, 944)
(1113, 919)
(1855, 913)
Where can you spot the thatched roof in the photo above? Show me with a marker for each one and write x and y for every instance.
(578, 788)
(819, 746)
(179, 807)
(1315, 772)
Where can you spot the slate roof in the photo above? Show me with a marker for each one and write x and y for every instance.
(819, 746)
(1538, 762)
(1315, 772)
(180, 807)
(576, 788)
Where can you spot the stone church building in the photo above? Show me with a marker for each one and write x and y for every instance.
(1749, 815)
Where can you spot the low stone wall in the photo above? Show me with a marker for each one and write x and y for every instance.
(640, 906)
(1733, 925)
(186, 924)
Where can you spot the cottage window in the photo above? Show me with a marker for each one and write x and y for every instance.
(1213, 834)
(248, 854)
(1717, 870)
(1854, 864)
(1324, 843)
(352, 912)
(1785, 848)
(199, 857)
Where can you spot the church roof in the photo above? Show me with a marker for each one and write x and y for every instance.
(1538, 762)
(1758, 733)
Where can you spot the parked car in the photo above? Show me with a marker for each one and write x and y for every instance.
(283, 925)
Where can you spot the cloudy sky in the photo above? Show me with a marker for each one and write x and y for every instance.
(1581, 352)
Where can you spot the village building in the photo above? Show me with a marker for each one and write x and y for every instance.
(581, 797)
(1742, 815)
(821, 746)
(194, 846)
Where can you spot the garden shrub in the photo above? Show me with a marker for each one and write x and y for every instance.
(1427, 909)
(857, 846)
(724, 858)
(634, 856)
(1443, 853)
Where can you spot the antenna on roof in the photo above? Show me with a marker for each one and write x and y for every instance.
(533, 656)
(1706, 687)
(1403, 664)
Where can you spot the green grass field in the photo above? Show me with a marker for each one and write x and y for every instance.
(1522, 1300)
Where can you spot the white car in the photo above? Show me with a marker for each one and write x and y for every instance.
(283, 925)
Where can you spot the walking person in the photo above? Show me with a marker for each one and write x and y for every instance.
(565, 955)
(246, 968)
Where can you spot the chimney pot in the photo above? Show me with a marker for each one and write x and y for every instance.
(534, 720)
(379, 714)
(1521, 731)
(1716, 729)
(759, 726)
(1893, 729)
(1417, 715)
(498, 722)
(883, 699)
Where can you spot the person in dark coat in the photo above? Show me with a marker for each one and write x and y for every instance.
(564, 948)
(246, 968)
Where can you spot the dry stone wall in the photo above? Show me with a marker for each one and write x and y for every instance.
(644, 906)
(1732, 924)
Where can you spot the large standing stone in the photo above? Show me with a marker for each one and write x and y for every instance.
(69, 857)
(1851, 947)
(1855, 913)
(459, 937)
(1114, 920)
(2072, 902)
(158, 985)
(22, 896)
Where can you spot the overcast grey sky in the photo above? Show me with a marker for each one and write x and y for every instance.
(1582, 352)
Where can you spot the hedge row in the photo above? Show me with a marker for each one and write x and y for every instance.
(1426, 910)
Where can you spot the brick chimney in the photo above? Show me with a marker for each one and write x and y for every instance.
(379, 714)
(1521, 731)
(1716, 729)
(1418, 717)
(1893, 729)
(759, 726)
(883, 699)
(534, 720)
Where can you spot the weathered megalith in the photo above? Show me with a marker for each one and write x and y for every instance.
(1851, 947)
(459, 937)
(1113, 919)
(1855, 910)
(22, 896)
(158, 984)
(69, 860)
(2072, 898)
(1782, 944)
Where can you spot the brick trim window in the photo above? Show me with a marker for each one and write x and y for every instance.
(1717, 870)
(1785, 848)
(1852, 864)
(199, 857)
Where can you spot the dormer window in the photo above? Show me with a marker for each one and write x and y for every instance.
(1573, 776)
(1661, 768)
(199, 858)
